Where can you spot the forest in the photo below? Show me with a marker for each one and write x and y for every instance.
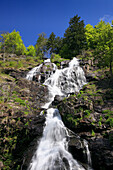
(78, 39)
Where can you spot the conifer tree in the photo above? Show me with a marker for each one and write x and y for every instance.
(74, 38)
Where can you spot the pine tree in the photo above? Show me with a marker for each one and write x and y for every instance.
(74, 38)
(51, 42)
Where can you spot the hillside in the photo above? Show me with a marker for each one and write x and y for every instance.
(88, 113)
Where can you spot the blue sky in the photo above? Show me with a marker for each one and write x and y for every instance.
(31, 17)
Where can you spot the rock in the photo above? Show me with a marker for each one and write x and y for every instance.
(1, 164)
(91, 77)
(64, 63)
(15, 73)
(98, 109)
(57, 100)
(101, 152)
(44, 72)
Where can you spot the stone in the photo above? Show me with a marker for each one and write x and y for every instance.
(64, 63)
(1, 164)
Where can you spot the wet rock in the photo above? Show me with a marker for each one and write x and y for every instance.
(57, 100)
(65, 63)
(44, 72)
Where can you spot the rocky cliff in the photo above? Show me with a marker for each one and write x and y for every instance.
(87, 113)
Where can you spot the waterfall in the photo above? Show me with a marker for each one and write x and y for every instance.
(52, 152)
(65, 81)
(33, 72)
(87, 152)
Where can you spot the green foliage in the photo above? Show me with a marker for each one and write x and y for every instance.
(12, 64)
(20, 101)
(100, 39)
(72, 120)
(90, 36)
(105, 44)
(87, 113)
(51, 42)
(56, 58)
(41, 45)
(110, 121)
(20, 64)
(31, 51)
(74, 38)
(13, 43)
(54, 43)
(93, 133)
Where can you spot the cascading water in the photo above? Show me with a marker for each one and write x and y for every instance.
(33, 72)
(52, 152)
(65, 81)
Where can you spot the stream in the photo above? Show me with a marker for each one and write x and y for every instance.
(52, 152)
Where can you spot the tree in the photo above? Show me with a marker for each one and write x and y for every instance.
(90, 33)
(51, 42)
(54, 43)
(58, 45)
(104, 48)
(74, 38)
(13, 43)
(2, 49)
(41, 44)
(31, 51)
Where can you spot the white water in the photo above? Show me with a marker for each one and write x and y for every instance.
(52, 152)
(33, 72)
(88, 153)
(65, 81)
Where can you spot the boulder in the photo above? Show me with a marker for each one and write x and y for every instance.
(64, 63)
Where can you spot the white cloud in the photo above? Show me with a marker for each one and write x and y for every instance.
(107, 18)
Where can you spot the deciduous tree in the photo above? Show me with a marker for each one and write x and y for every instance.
(13, 43)
(104, 48)
(31, 51)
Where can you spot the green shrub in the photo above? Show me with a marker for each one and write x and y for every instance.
(87, 113)
(110, 121)
(93, 133)
(12, 64)
(20, 64)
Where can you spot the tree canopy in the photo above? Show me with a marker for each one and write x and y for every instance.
(13, 43)
(74, 38)
(54, 43)
(41, 44)
(77, 38)
(104, 48)
(31, 51)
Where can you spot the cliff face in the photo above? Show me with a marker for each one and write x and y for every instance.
(88, 114)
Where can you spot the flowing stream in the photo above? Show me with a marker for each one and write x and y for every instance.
(52, 151)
